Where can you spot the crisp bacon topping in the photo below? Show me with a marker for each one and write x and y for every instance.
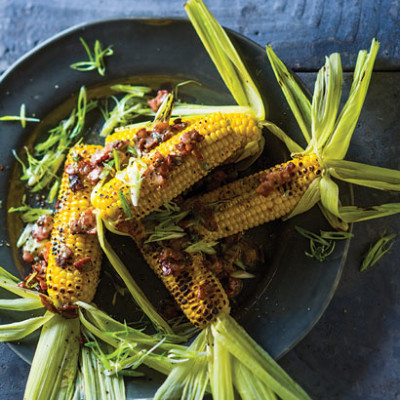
(86, 223)
(273, 179)
(205, 290)
(64, 255)
(233, 287)
(106, 153)
(84, 264)
(42, 228)
(94, 176)
(156, 102)
(171, 261)
(36, 280)
(188, 144)
(28, 256)
(75, 183)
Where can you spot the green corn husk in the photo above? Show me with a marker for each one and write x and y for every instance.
(54, 366)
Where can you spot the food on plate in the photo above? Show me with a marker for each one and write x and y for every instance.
(140, 169)
(175, 164)
(64, 280)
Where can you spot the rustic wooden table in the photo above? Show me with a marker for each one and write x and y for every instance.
(353, 353)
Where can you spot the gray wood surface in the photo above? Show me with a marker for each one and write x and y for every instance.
(353, 353)
(303, 30)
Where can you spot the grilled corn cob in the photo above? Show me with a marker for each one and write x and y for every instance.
(257, 199)
(186, 162)
(194, 287)
(74, 258)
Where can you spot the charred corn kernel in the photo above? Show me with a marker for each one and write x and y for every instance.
(195, 288)
(74, 259)
(130, 132)
(257, 199)
(224, 135)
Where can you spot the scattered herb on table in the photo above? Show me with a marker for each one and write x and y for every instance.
(322, 245)
(96, 60)
(377, 251)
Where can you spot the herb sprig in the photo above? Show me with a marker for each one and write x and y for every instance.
(21, 117)
(30, 214)
(377, 251)
(96, 60)
(322, 245)
(42, 167)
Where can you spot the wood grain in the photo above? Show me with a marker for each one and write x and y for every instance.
(301, 31)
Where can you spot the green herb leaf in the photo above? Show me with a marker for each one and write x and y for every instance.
(167, 221)
(42, 168)
(201, 247)
(323, 245)
(137, 91)
(21, 117)
(96, 61)
(125, 205)
(30, 214)
(124, 112)
(377, 251)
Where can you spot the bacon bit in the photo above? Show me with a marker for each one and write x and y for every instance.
(71, 169)
(126, 226)
(27, 256)
(160, 168)
(233, 287)
(205, 290)
(94, 176)
(86, 223)
(188, 144)
(68, 311)
(168, 253)
(171, 261)
(84, 264)
(273, 179)
(156, 102)
(106, 153)
(178, 125)
(42, 228)
(75, 183)
(161, 127)
(46, 251)
(48, 304)
(64, 255)
(168, 309)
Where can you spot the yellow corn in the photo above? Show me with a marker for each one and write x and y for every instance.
(195, 288)
(238, 206)
(68, 283)
(130, 132)
(224, 135)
